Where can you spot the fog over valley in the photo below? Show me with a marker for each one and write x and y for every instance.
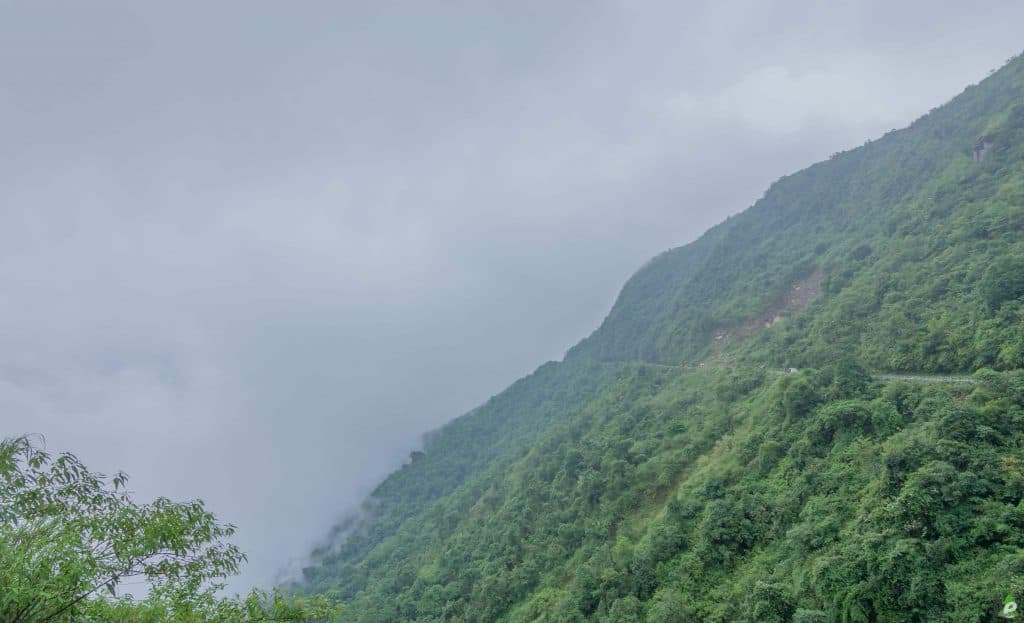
(252, 251)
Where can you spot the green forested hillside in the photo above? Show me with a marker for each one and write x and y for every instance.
(628, 484)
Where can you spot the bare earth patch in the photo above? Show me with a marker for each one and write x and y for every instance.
(797, 298)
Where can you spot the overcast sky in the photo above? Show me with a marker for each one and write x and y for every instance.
(251, 251)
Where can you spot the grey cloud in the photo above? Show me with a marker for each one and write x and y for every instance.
(250, 252)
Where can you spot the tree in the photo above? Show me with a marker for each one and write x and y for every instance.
(1003, 280)
(799, 398)
(70, 538)
(771, 603)
(670, 606)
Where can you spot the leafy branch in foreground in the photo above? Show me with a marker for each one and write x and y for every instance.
(69, 538)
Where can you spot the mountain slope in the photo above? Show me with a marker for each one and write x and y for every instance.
(827, 216)
(627, 484)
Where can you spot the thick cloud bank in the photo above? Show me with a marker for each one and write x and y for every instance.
(250, 251)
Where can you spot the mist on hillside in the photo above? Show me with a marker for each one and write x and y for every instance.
(252, 252)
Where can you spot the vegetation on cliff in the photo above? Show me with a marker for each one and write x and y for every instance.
(654, 475)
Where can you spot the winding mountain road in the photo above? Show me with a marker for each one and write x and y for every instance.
(909, 377)
(928, 378)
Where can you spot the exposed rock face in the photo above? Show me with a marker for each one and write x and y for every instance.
(981, 149)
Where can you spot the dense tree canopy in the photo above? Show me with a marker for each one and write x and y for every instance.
(71, 540)
(670, 469)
